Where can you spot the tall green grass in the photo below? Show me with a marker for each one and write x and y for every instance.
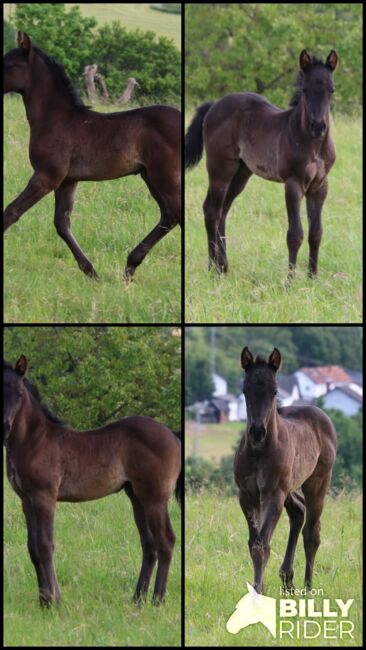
(217, 567)
(42, 282)
(98, 558)
(255, 289)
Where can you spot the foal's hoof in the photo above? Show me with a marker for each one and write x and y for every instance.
(90, 271)
(128, 274)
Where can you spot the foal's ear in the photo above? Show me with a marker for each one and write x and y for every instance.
(305, 60)
(275, 359)
(332, 60)
(246, 358)
(22, 40)
(21, 365)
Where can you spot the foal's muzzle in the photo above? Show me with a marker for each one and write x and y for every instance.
(318, 129)
(257, 434)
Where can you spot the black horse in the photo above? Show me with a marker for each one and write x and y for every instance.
(244, 134)
(70, 143)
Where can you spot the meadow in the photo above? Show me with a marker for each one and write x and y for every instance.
(130, 15)
(256, 288)
(217, 567)
(98, 558)
(42, 282)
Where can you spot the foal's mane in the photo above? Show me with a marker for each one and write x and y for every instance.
(299, 79)
(60, 77)
(36, 396)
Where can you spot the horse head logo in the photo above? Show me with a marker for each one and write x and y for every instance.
(253, 608)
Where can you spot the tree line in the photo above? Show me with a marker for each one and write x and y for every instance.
(299, 346)
(238, 47)
(89, 376)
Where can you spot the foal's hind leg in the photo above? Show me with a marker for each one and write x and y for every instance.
(314, 490)
(64, 199)
(314, 204)
(220, 173)
(238, 183)
(149, 554)
(164, 539)
(168, 197)
(295, 507)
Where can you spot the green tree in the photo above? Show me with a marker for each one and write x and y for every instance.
(255, 47)
(92, 375)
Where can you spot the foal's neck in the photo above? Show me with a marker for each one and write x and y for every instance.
(44, 99)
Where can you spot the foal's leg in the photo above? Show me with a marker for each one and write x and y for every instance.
(314, 490)
(64, 201)
(39, 513)
(149, 554)
(295, 507)
(314, 204)
(295, 233)
(164, 538)
(251, 514)
(271, 508)
(39, 185)
(168, 197)
(238, 182)
(220, 173)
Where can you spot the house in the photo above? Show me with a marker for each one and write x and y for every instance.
(347, 399)
(220, 385)
(316, 382)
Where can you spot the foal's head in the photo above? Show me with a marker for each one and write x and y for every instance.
(316, 87)
(13, 387)
(260, 390)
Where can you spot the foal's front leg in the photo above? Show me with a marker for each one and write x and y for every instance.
(39, 512)
(64, 202)
(314, 204)
(271, 508)
(38, 186)
(295, 233)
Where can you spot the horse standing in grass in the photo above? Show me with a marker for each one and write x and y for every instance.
(70, 143)
(282, 450)
(49, 462)
(243, 134)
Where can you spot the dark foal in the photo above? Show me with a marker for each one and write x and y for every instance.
(49, 462)
(282, 450)
(70, 143)
(243, 134)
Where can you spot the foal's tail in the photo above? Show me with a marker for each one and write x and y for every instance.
(194, 137)
(178, 485)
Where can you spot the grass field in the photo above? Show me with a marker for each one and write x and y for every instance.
(217, 566)
(132, 16)
(98, 558)
(255, 290)
(214, 440)
(42, 280)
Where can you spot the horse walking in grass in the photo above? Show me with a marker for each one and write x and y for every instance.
(244, 134)
(70, 143)
(48, 461)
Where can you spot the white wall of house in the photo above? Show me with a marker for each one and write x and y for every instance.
(339, 400)
(220, 385)
(308, 389)
(233, 411)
